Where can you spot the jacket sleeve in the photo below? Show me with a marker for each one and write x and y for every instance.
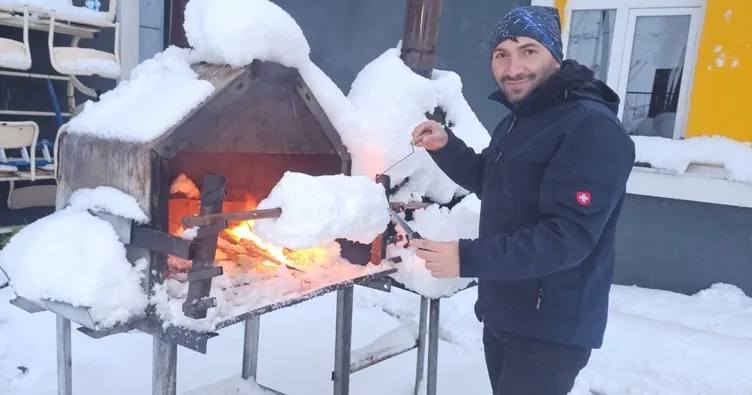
(580, 189)
(462, 164)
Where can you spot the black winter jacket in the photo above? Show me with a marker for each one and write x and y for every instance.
(551, 183)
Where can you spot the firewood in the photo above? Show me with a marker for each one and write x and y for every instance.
(253, 249)
(229, 247)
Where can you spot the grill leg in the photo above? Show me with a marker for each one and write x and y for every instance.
(343, 341)
(421, 355)
(164, 367)
(250, 348)
(433, 347)
(64, 361)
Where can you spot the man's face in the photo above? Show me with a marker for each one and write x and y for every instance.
(520, 65)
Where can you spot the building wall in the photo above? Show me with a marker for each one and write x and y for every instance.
(683, 246)
(722, 70)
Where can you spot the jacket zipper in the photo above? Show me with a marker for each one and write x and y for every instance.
(511, 126)
(539, 298)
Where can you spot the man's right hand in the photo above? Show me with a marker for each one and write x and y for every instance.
(430, 135)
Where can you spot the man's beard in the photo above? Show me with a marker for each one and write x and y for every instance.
(515, 96)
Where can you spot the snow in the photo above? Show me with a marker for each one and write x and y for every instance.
(318, 210)
(13, 55)
(83, 262)
(259, 29)
(439, 224)
(392, 100)
(104, 67)
(240, 290)
(161, 91)
(109, 200)
(677, 155)
(641, 355)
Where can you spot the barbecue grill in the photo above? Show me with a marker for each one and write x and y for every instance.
(225, 156)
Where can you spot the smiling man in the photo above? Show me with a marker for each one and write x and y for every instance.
(551, 184)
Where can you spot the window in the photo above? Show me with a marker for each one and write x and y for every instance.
(590, 39)
(645, 53)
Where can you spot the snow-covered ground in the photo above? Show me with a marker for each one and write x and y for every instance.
(657, 343)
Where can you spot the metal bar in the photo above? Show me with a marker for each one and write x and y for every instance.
(164, 367)
(180, 336)
(155, 240)
(198, 300)
(251, 347)
(64, 360)
(34, 75)
(368, 362)
(26, 305)
(420, 365)
(129, 37)
(433, 346)
(33, 113)
(307, 295)
(60, 28)
(343, 341)
(208, 219)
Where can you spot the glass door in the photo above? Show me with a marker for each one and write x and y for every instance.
(656, 68)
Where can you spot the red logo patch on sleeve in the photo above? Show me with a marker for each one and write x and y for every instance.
(583, 198)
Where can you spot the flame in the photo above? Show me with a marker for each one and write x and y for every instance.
(244, 230)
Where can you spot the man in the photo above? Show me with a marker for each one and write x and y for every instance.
(551, 183)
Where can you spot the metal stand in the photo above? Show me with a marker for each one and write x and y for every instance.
(64, 360)
(250, 348)
(164, 368)
(420, 366)
(343, 341)
(433, 347)
(428, 340)
(166, 341)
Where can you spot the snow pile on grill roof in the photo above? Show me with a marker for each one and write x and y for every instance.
(238, 32)
(74, 257)
(159, 94)
(318, 210)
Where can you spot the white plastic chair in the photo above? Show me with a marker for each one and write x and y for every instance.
(76, 61)
(16, 54)
(23, 137)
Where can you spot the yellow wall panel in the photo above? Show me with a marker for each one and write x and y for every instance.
(720, 98)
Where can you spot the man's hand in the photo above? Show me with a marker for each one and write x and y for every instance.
(430, 135)
(442, 257)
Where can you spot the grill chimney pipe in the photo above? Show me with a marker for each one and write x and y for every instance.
(420, 34)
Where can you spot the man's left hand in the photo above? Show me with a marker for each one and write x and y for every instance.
(442, 257)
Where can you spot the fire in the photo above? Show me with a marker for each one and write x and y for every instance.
(243, 232)
(239, 248)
